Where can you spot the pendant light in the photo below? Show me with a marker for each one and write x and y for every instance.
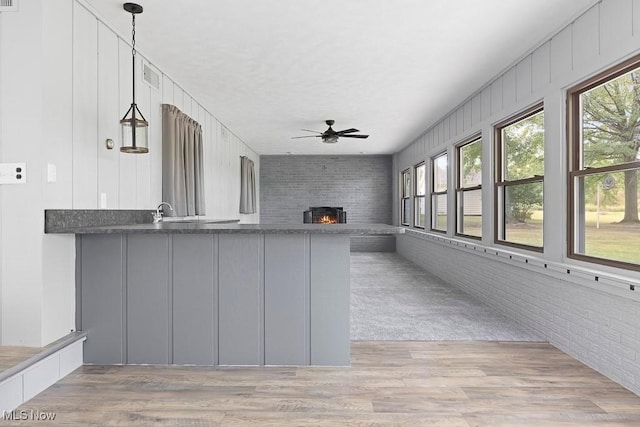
(134, 127)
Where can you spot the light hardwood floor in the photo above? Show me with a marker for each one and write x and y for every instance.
(389, 383)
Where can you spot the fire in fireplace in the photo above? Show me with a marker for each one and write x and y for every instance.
(324, 215)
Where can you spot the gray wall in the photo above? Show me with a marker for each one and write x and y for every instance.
(362, 185)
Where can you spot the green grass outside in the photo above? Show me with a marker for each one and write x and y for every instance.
(620, 242)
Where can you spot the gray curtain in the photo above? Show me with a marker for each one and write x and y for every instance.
(247, 186)
(182, 157)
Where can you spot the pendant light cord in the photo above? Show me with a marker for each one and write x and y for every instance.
(133, 54)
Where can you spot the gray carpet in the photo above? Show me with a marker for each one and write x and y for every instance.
(393, 299)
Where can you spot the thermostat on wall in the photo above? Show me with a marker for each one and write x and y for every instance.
(13, 173)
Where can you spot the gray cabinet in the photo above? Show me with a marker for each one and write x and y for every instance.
(241, 300)
(209, 299)
(194, 295)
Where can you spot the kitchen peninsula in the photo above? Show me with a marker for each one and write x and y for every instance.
(205, 293)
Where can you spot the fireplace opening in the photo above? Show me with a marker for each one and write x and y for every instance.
(324, 215)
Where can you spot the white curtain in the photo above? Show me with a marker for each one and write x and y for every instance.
(182, 168)
(247, 186)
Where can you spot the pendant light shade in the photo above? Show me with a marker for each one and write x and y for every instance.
(133, 126)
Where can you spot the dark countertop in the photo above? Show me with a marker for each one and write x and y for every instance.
(187, 227)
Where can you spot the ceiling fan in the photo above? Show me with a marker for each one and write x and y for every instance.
(330, 136)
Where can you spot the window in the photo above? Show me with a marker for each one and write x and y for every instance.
(520, 179)
(405, 203)
(604, 159)
(439, 168)
(419, 201)
(469, 189)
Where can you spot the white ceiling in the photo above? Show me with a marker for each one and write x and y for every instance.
(391, 68)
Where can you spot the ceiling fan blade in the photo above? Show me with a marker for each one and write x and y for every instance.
(309, 136)
(354, 136)
(314, 131)
(342, 132)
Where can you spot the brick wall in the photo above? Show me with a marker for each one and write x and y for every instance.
(598, 328)
(362, 185)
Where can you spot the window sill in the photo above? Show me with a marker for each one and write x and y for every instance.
(613, 283)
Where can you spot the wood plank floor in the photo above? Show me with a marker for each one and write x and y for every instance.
(389, 383)
(11, 356)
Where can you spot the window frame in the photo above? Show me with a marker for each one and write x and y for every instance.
(460, 190)
(417, 196)
(574, 158)
(403, 196)
(432, 217)
(501, 185)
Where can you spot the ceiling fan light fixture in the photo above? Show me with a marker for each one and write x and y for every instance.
(331, 139)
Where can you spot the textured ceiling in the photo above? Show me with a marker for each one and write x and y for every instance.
(267, 68)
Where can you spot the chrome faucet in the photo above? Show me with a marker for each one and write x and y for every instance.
(157, 216)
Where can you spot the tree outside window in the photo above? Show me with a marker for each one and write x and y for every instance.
(519, 180)
(469, 189)
(439, 170)
(604, 117)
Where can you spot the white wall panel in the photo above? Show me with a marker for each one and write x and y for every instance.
(108, 117)
(143, 161)
(85, 109)
(57, 100)
(616, 27)
(155, 144)
(509, 89)
(459, 122)
(21, 106)
(586, 39)
(486, 103)
(167, 90)
(466, 111)
(476, 109)
(128, 162)
(560, 55)
(496, 96)
(187, 105)
(523, 79)
(178, 96)
(540, 68)
(446, 125)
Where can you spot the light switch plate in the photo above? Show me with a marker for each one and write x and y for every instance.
(13, 173)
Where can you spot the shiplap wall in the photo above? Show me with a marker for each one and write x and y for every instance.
(65, 82)
(604, 35)
(102, 93)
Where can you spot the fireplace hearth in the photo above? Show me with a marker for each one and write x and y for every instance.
(324, 215)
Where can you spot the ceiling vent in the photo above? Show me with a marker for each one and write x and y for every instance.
(8, 5)
(150, 76)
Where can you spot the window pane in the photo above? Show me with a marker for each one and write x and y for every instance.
(420, 182)
(607, 216)
(523, 144)
(523, 214)
(470, 213)
(470, 164)
(611, 122)
(406, 211)
(406, 184)
(440, 173)
(439, 212)
(420, 212)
